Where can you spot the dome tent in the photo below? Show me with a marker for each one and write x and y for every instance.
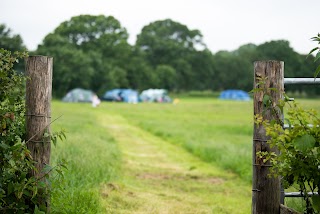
(78, 95)
(129, 96)
(112, 95)
(234, 95)
(121, 95)
(155, 95)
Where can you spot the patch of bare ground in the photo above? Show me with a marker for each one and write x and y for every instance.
(195, 178)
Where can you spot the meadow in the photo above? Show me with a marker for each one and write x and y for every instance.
(216, 131)
(203, 139)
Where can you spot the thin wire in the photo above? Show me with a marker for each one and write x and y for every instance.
(43, 128)
(37, 115)
(256, 139)
(39, 141)
(265, 165)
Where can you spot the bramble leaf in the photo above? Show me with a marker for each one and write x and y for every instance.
(305, 142)
(316, 202)
(266, 100)
(37, 211)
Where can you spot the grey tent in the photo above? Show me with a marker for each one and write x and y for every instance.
(78, 95)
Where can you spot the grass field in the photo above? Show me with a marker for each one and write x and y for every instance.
(193, 157)
(216, 131)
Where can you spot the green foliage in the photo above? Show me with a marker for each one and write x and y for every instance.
(169, 43)
(92, 52)
(167, 76)
(316, 202)
(89, 52)
(19, 191)
(72, 66)
(11, 42)
(316, 39)
(8, 41)
(299, 146)
(298, 159)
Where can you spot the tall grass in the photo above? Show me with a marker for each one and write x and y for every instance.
(92, 159)
(216, 131)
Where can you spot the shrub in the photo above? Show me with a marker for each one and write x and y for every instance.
(19, 191)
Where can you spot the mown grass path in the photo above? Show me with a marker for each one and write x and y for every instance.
(158, 177)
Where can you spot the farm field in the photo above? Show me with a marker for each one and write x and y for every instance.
(193, 157)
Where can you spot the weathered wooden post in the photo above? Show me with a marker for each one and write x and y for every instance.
(38, 113)
(265, 190)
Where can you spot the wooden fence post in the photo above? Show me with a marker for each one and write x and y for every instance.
(265, 190)
(38, 114)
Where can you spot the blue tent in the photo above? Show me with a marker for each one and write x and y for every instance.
(112, 95)
(234, 95)
(121, 95)
(129, 96)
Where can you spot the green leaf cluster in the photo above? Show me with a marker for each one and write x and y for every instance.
(317, 57)
(19, 191)
(298, 163)
(17, 188)
(11, 42)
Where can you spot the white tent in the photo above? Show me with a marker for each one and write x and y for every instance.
(155, 95)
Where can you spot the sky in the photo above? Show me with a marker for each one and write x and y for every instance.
(224, 24)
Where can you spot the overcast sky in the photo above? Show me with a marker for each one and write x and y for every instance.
(225, 24)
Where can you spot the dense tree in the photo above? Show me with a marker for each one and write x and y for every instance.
(233, 72)
(167, 77)
(89, 52)
(140, 74)
(281, 50)
(166, 40)
(92, 31)
(93, 52)
(234, 69)
(9, 41)
(172, 44)
(71, 65)
(248, 51)
(296, 65)
(203, 65)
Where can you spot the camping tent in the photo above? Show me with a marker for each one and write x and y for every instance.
(78, 95)
(155, 95)
(112, 95)
(124, 95)
(129, 96)
(234, 95)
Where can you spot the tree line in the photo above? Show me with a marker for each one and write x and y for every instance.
(93, 52)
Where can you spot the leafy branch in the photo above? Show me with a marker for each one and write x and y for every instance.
(19, 191)
(298, 161)
(317, 56)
